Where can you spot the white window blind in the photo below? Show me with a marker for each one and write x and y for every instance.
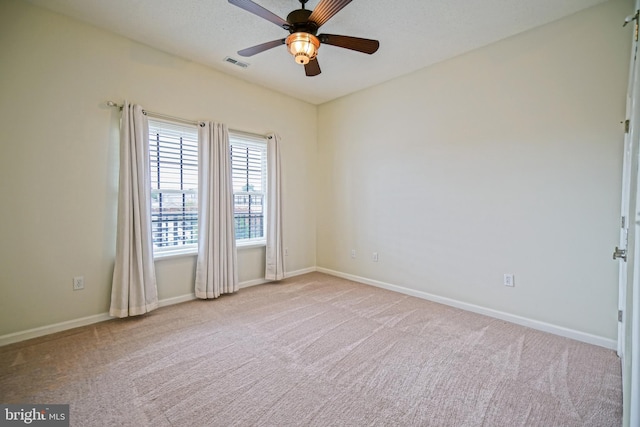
(173, 155)
(249, 173)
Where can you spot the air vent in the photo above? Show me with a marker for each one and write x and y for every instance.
(236, 62)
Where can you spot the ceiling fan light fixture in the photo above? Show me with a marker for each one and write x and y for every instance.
(303, 46)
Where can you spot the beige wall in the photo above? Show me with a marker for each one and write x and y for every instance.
(59, 160)
(503, 160)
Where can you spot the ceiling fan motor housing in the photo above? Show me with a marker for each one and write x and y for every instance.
(299, 22)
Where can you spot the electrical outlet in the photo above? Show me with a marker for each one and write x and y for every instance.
(353, 253)
(509, 280)
(78, 283)
(375, 257)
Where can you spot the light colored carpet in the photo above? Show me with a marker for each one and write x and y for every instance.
(315, 350)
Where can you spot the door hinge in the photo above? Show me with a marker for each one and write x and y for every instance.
(626, 126)
(623, 222)
(619, 315)
(633, 18)
(620, 253)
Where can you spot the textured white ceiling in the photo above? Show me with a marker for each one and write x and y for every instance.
(413, 34)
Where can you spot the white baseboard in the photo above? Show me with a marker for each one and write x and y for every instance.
(300, 272)
(255, 282)
(51, 329)
(535, 324)
(250, 283)
(176, 300)
(84, 321)
(76, 323)
(519, 320)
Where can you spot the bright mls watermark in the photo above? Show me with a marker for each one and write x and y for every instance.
(34, 415)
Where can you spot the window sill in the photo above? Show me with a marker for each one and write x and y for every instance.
(174, 254)
(251, 244)
(194, 252)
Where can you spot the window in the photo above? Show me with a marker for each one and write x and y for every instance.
(173, 155)
(249, 174)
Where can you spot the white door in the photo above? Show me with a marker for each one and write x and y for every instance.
(628, 250)
(629, 175)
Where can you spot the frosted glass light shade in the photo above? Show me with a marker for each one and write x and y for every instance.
(303, 47)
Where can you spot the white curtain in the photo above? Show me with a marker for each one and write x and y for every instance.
(274, 265)
(216, 269)
(134, 290)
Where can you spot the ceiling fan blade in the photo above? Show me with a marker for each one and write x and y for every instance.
(312, 68)
(354, 43)
(326, 9)
(250, 51)
(256, 9)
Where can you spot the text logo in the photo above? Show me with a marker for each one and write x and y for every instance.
(34, 415)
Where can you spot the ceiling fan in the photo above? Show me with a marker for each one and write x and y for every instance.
(303, 25)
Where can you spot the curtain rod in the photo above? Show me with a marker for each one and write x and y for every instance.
(161, 116)
(187, 121)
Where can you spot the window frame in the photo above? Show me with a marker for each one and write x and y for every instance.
(259, 142)
(192, 131)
